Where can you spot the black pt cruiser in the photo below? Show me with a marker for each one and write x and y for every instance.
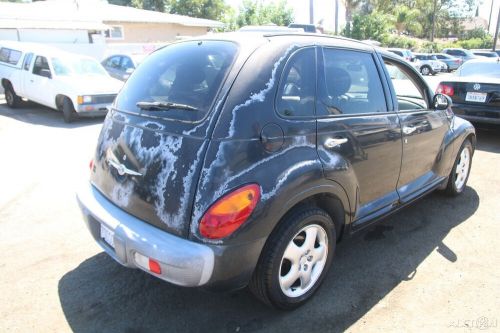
(242, 159)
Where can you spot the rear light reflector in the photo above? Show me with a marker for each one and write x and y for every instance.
(445, 89)
(147, 263)
(91, 165)
(229, 212)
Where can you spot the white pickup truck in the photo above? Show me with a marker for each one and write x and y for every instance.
(74, 84)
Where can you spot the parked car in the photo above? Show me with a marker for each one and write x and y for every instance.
(463, 54)
(475, 90)
(120, 66)
(73, 84)
(235, 160)
(306, 27)
(451, 62)
(485, 54)
(429, 64)
(403, 53)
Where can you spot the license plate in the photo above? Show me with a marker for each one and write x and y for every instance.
(107, 235)
(475, 97)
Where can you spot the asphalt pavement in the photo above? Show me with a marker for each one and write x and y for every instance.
(433, 267)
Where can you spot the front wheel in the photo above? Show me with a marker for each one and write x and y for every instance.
(461, 170)
(295, 260)
(69, 113)
(425, 70)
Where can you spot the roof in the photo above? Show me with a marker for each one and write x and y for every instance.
(87, 15)
(475, 22)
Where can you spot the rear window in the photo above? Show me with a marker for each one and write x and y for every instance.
(9, 56)
(187, 74)
(486, 69)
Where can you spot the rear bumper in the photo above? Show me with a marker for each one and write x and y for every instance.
(477, 113)
(182, 262)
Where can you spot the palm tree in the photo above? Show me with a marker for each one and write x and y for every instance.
(350, 7)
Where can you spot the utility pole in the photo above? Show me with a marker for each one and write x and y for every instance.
(496, 31)
(491, 11)
(337, 17)
(311, 11)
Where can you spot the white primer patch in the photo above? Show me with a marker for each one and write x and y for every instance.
(285, 176)
(261, 95)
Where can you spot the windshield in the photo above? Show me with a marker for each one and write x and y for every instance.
(186, 73)
(487, 69)
(77, 66)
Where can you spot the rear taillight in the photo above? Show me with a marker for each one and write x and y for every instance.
(229, 212)
(445, 89)
(91, 165)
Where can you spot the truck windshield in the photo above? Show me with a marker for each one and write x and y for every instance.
(77, 66)
(179, 81)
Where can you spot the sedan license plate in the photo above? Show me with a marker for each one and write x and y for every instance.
(475, 97)
(107, 235)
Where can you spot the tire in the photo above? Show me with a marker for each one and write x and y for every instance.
(425, 70)
(457, 180)
(292, 266)
(13, 101)
(69, 113)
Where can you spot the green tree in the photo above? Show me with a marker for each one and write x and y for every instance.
(258, 13)
(208, 9)
(406, 19)
(375, 26)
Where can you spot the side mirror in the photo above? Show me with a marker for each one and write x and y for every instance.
(441, 102)
(45, 73)
(129, 70)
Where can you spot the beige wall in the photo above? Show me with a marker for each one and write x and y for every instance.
(154, 32)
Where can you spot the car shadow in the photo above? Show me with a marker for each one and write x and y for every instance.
(101, 296)
(488, 138)
(33, 113)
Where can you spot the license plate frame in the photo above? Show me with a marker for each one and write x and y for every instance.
(476, 97)
(107, 236)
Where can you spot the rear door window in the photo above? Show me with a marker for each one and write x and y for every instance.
(350, 84)
(187, 76)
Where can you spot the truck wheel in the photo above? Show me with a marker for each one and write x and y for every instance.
(13, 101)
(461, 170)
(295, 259)
(425, 70)
(69, 113)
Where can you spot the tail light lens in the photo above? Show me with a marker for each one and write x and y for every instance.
(91, 165)
(229, 212)
(445, 89)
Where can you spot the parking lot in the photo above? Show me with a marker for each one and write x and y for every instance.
(433, 266)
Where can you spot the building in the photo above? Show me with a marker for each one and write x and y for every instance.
(91, 21)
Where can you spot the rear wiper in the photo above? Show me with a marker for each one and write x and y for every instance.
(157, 106)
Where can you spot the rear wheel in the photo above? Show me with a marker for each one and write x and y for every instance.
(296, 258)
(69, 113)
(461, 170)
(425, 70)
(13, 101)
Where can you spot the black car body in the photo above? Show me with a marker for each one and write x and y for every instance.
(218, 149)
(475, 91)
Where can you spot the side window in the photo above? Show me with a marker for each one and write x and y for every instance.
(350, 84)
(409, 93)
(298, 85)
(27, 61)
(41, 66)
(9, 56)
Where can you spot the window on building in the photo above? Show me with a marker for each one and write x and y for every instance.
(115, 32)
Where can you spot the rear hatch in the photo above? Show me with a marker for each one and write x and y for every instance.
(152, 144)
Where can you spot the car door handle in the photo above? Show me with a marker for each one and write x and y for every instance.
(409, 129)
(332, 143)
